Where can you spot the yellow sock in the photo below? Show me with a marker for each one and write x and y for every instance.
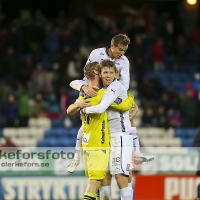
(90, 196)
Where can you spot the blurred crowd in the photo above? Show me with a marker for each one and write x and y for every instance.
(40, 56)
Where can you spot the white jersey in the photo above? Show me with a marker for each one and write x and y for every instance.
(119, 122)
(100, 54)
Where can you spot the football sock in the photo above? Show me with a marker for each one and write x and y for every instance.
(90, 196)
(78, 144)
(126, 193)
(105, 193)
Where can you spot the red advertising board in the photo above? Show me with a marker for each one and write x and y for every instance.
(166, 187)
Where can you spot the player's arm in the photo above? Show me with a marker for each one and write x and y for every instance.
(79, 104)
(77, 84)
(113, 91)
(123, 105)
(125, 74)
(132, 113)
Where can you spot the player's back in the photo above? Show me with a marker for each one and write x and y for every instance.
(95, 126)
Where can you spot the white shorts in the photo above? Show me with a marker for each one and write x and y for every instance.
(121, 154)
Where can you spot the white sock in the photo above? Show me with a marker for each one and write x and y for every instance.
(130, 185)
(105, 191)
(126, 193)
(78, 144)
(136, 143)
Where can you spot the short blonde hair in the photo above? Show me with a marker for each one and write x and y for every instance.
(120, 39)
(89, 70)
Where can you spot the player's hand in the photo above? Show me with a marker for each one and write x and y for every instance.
(84, 103)
(89, 90)
(133, 111)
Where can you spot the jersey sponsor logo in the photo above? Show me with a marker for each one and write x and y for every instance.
(113, 91)
(85, 138)
(103, 132)
(122, 122)
(101, 53)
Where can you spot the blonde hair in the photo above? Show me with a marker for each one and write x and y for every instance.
(120, 39)
(89, 70)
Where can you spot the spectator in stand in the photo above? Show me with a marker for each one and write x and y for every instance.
(23, 96)
(161, 117)
(158, 54)
(165, 101)
(181, 52)
(5, 91)
(11, 64)
(65, 100)
(174, 118)
(40, 78)
(10, 111)
(189, 109)
(38, 106)
(52, 107)
(148, 118)
(137, 52)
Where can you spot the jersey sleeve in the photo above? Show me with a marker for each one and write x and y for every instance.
(125, 104)
(77, 84)
(125, 74)
(113, 91)
(93, 57)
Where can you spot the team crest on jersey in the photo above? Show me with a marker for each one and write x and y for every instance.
(128, 167)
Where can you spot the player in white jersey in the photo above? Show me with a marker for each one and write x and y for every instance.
(115, 52)
(120, 130)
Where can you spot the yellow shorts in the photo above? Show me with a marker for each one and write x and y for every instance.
(96, 163)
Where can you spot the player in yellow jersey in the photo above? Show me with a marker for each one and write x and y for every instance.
(95, 138)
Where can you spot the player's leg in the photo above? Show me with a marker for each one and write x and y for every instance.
(105, 190)
(139, 157)
(75, 162)
(120, 162)
(97, 163)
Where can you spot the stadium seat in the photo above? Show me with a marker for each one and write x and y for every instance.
(180, 133)
(42, 143)
(37, 132)
(9, 132)
(49, 133)
(73, 132)
(187, 142)
(56, 123)
(191, 133)
(44, 122)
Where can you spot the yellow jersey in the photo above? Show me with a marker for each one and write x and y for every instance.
(95, 126)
